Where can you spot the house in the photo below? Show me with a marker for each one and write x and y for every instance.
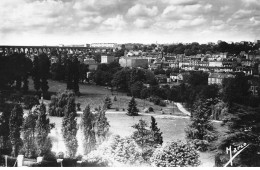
(133, 62)
(182, 77)
(107, 59)
(254, 86)
(173, 77)
(217, 78)
(88, 61)
(161, 78)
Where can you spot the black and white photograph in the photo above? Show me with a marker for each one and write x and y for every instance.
(129, 83)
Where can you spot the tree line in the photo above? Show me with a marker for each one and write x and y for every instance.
(196, 48)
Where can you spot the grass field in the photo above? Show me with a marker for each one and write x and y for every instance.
(171, 126)
(95, 95)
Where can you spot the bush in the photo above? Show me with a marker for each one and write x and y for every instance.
(60, 155)
(150, 109)
(78, 107)
(30, 101)
(146, 110)
(117, 109)
(116, 151)
(49, 156)
(58, 103)
(162, 103)
(46, 164)
(201, 145)
(10, 161)
(175, 154)
(156, 100)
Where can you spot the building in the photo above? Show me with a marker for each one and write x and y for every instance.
(133, 62)
(254, 86)
(217, 78)
(107, 59)
(89, 61)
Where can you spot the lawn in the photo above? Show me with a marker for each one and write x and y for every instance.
(95, 95)
(172, 126)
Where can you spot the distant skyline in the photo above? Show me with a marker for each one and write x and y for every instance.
(54, 22)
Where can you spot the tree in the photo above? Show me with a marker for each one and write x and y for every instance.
(136, 88)
(157, 135)
(40, 72)
(58, 103)
(87, 124)
(201, 131)
(30, 101)
(69, 74)
(69, 128)
(44, 67)
(143, 137)
(101, 125)
(43, 128)
(36, 73)
(108, 102)
(243, 124)
(236, 90)
(15, 124)
(147, 139)
(28, 129)
(83, 69)
(75, 74)
(132, 109)
(142, 133)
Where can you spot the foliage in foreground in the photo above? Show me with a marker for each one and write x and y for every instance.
(201, 131)
(15, 124)
(58, 103)
(147, 138)
(175, 154)
(116, 151)
(43, 128)
(87, 126)
(69, 128)
(243, 127)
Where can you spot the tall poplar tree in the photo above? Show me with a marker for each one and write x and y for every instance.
(157, 135)
(69, 127)
(43, 128)
(15, 125)
(36, 73)
(88, 120)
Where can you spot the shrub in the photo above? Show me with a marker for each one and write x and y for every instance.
(156, 100)
(78, 107)
(117, 109)
(10, 161)
(60, 155)
(116, 151)
(150, 109)
(58, 103)
(108, 102)
(30, 101)
(46, 164)
(162, 103)
(175, 154)
(146, 110)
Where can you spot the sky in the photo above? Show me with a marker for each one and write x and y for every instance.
(54, 22)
